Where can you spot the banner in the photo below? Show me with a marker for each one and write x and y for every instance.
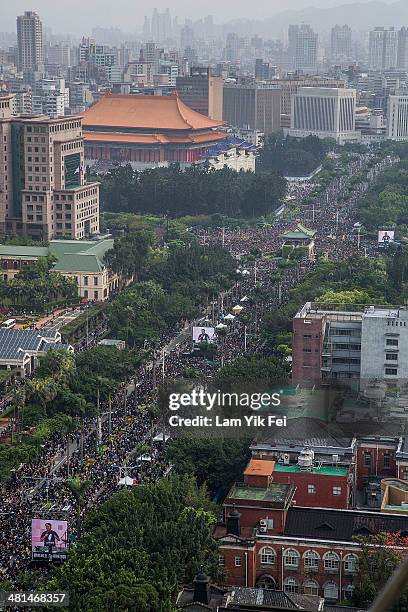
(385, 236)
(49, 539)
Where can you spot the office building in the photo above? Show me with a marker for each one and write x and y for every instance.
(252, 107)
(302, 48)
(397, 123)
(50, 97)
(324, 112)
(30, 43)
(382, 52)
(290, 86)
(402, 51)
(202, 92)
(363, 345)
(341, 43)
(43, 191)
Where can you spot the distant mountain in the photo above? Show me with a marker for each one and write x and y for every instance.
(359, 16)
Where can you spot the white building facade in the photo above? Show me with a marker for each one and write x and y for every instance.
(397, 124)
(324, 112)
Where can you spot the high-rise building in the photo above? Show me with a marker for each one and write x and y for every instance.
(402, 51)
(340, 43)
(382, 52)
(290, 86)
(264, 71)
(302, 48)
(397, 123)
(202, 92)
(30, 42)
(324, 112)
(367, 344)
(43, 190)
(252, 107)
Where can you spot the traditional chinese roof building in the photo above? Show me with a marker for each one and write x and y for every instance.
(147, 131)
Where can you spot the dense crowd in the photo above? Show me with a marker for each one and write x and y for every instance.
(120, 440)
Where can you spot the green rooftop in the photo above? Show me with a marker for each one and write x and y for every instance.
(71, 255)
(299, 233)
(325, 471)
(275, 493)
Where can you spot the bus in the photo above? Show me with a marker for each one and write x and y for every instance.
(9, 324)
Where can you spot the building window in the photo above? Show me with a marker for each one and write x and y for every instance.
(331, 561)
(348, 592)
(350, 564)
(96, 280)
(336, 490)
(290, 585)
(386, 461)
(311, 587)
(96, 295)
(291, 557)
(86, 293)
(85, 280)
(392, 342)
(367, 459)
(311, 488)
(391, 356)
(221, 560)
(391, 371)
(237, 561)
(311, 559)
(267, 556)
(331, 591)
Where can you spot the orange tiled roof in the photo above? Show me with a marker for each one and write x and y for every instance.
(147, 139)
(146, 112)
(259, 467)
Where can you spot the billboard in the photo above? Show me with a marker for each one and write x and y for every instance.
(385, 236)
(203, 335)
(49, 539)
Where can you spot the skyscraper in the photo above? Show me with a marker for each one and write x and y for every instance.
(340, 43)
(30, 42)
(302, 48)
(382, 53)
(252, 107)
(43, 188)
(402, 51)
(398, 118)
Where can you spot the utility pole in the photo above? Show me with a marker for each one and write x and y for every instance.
(279, 293)
(223, 236)
(245, 339)
(358, 238)
(110, 416)
(313, 212)
(163, 365)
(98, 418)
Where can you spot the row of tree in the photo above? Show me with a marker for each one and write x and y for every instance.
(291, 156)
(61, 394)
(175, 192)
(36, 288)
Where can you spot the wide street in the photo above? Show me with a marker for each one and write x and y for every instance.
(112, 441)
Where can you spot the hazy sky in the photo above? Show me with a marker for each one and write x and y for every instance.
(79, 16)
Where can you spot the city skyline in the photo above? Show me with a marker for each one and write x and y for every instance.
(124, 16)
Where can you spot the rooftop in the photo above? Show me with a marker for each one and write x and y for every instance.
(341, 525)
(153, 139)
(15, 343)
(145, 112)
(324, 470)
(276, 493)
(259, 467)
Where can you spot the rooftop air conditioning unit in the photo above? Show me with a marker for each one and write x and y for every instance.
(336, 458)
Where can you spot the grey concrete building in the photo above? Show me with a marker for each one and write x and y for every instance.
(255, 106)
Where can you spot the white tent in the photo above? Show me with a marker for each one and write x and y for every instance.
(160, 437)
(144, 458)
(229, 317)
(244, 299)
(127, 481)
(237, 309)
